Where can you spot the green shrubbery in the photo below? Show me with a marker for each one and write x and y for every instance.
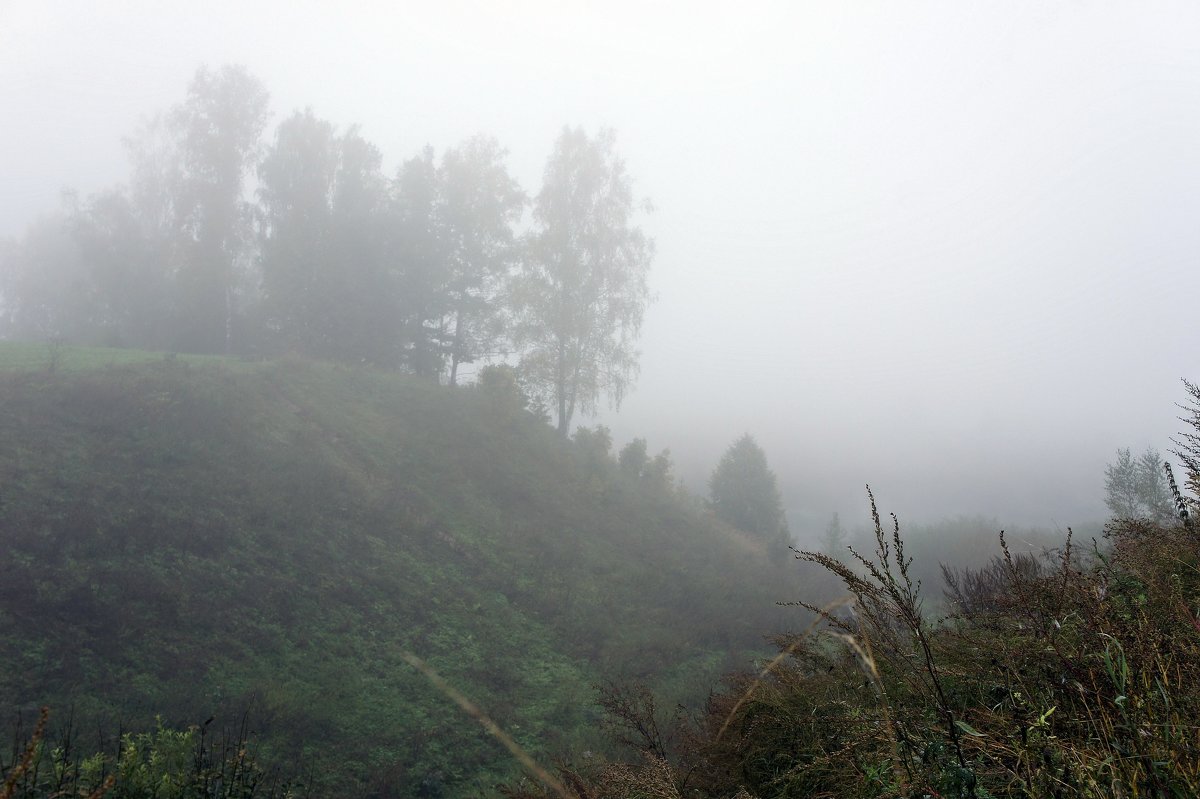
(1076, 674)
(184, 539)
(1076, 677)
(188, 539)
(163, 763)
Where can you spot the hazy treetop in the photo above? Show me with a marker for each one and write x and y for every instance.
(947, 248)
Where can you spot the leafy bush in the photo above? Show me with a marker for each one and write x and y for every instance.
(1076, 674)
(159, 764)
(1073, 678)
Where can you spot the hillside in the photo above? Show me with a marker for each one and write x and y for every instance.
(190, 539)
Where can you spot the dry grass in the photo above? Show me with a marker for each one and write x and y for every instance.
(1074, 676)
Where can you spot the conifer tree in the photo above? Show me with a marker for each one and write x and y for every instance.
(743, 492)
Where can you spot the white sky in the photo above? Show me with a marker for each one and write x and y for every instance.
(949, 249)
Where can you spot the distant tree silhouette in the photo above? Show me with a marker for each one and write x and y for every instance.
(742, 491)
(1136, 488)
(581, 291)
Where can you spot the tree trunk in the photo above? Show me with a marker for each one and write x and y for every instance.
(456, 347)
(560, 389)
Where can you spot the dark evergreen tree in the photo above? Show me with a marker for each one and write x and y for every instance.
(833, 542)
(742, 491)
(659, 472)
(633, 458)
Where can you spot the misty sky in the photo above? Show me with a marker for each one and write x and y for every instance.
(949, 249)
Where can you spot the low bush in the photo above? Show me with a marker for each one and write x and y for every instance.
(162, 763)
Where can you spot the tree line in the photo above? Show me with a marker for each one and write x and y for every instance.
(224, 242)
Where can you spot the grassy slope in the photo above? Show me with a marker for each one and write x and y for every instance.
(186, 538)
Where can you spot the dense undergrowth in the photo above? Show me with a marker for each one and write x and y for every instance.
(197, 763)
(184, 540)
(1075, 675)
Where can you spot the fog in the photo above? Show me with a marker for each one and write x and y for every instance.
(947, 249)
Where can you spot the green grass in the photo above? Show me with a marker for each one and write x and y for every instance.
(39, 356)
(186, 537)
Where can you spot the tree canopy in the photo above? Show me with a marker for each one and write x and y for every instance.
(323, 201)
(479, 204)
(582, 290)
(217, 133)
(1136, 488)
(833, 541)
(326, 256)
(743, 492)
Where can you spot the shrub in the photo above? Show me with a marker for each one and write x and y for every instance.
(1063, 676)
(159, 764)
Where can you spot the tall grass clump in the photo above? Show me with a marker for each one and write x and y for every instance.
(1074, 674)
